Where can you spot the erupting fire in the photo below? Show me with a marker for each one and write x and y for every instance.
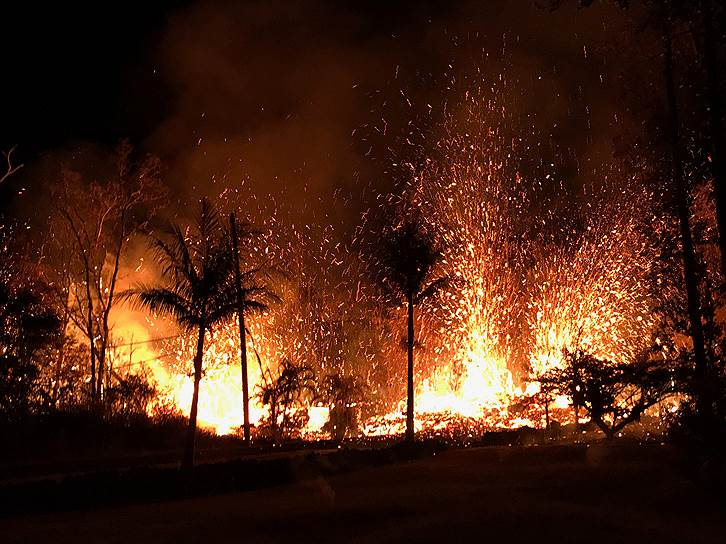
(528, 290)
(527, 286)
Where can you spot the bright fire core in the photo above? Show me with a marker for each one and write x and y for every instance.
(529, 286)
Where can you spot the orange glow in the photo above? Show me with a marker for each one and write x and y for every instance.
(525, 290)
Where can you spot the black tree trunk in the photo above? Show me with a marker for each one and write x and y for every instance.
(716, 136)
(683, 209)
(410, 431)
(242, 335)
(189, 447)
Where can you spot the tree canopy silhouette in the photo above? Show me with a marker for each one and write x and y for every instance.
(614, 394)
(408, 259)
(27, 327)
(198, 290)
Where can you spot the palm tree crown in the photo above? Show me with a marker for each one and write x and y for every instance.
(408, 258)
(197, 269)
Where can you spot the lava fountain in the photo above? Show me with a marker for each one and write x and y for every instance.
(530, 283)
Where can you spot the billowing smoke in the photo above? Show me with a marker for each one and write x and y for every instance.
(310, 102)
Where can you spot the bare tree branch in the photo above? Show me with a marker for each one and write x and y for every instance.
(10, 169)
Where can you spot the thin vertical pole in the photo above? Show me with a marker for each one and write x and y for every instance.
(242, 333)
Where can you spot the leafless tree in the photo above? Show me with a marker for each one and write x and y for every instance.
(10, 168)
(93, 222)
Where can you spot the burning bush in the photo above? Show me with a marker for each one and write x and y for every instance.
(613, 395)
(130, 395)
(343, 393)
(288, 395)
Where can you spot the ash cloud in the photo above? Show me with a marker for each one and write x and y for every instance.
(307, 101)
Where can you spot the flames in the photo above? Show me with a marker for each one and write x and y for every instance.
(595, 294)
(220, 399)
(528, 284)
(531, 284)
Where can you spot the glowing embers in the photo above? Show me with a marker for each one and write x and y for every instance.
(220, 391)
(534, 273)
(593, 292)
(484, 382)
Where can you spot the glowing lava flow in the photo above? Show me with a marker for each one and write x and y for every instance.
(521, 298)
(220, 397)
(527, 285)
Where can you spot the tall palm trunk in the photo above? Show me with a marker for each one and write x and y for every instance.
(188, 459)
(409, 404)
(273, 415)
(283, 425)
(242, 335)
(245, 380)
(689, 257)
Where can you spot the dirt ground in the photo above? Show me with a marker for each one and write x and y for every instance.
(614, 494)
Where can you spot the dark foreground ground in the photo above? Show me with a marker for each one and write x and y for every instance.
(621, 493)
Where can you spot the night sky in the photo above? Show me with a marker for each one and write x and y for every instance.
(77, 70)
(305, 101)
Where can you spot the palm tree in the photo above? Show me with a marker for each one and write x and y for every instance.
(249, 297)
(409, 256)
(198, 290)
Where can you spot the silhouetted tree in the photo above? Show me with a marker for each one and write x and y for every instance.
(682, 200)
(92, 225)
(27, 327)
(198, 290)
(613, 395)
(130, 395)
(666, 17)
(408, 259)
(288, 395)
